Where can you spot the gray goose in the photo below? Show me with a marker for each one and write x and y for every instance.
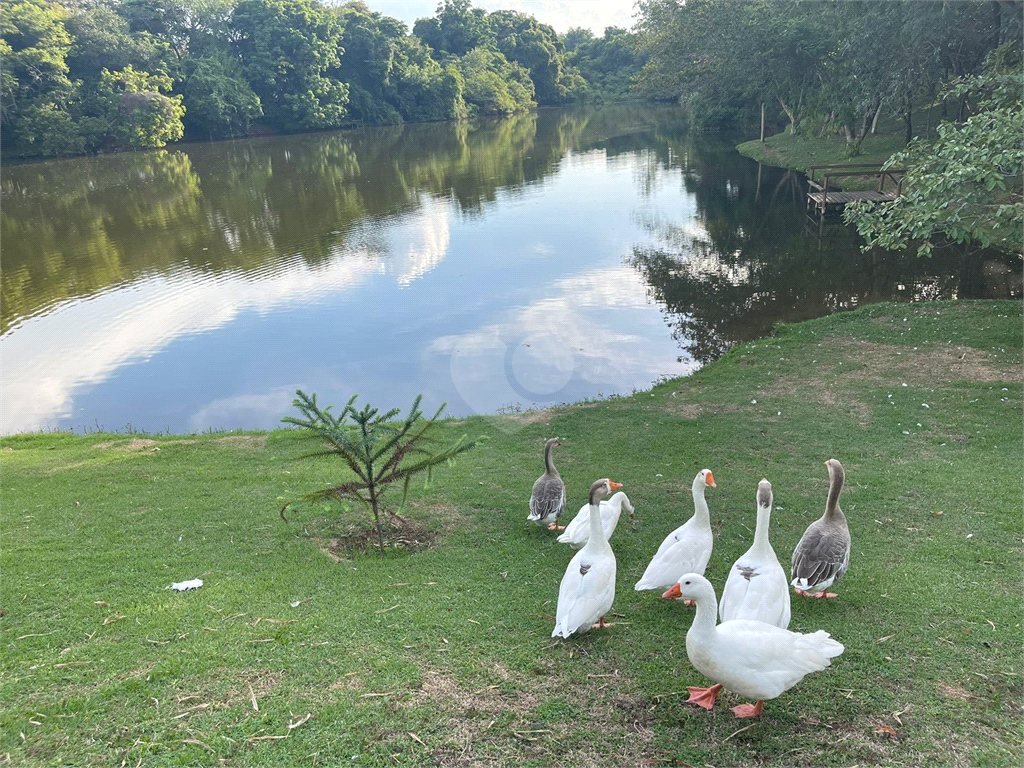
(547, 502)
(823, 554)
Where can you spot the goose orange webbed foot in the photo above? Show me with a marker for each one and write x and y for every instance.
(601, 624)
(703, 697)
(748, 710)
(556, 527)
(821, 595)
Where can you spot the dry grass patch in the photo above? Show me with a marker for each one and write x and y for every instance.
(134, 444)
(441, 691)
(499, 724)
(889, 363)
(245, 441)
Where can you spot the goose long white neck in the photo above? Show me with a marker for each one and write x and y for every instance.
(702, 630)
(700, 505)
(764, 517)
(596, 529)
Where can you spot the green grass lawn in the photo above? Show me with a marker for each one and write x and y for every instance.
(296, 652)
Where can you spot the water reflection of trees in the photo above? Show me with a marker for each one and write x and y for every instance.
(76, 227)
(746, 263)
(73, 228)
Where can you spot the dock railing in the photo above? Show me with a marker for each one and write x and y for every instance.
(822, 194)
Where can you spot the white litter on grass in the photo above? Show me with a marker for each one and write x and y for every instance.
(185, 586)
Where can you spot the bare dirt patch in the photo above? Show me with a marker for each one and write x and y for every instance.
(339, 539)
(406, 534)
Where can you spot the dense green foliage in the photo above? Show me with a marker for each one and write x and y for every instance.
(966, 185)
(837, 68)
(839, 63)
(82, 77)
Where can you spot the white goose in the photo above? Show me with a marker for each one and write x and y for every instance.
(823, 554)
(757, 587)
(688, 548)
(587, 590)
(547, 500)
(577, 532)
(754, 659)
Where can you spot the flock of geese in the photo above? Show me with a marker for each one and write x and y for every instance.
(751, 652)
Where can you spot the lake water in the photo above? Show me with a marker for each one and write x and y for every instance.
(507, 264)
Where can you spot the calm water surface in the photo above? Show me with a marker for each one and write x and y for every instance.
(548, 258)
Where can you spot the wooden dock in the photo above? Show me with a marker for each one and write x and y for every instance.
(825, 197)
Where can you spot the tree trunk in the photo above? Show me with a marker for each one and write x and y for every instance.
(375, 506)
(794, 118)
(762, 122)
(874, 120)
(908, 125)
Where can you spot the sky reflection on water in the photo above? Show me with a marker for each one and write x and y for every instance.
(527, 302)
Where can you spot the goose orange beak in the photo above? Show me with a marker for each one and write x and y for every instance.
(613, 485)
(674, 593)
(711, 480)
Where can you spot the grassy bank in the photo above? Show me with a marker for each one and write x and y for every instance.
(811, 148)
(803, 151)
(296, 653)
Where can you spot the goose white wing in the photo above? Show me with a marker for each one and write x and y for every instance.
(756, 590)
(760, 661)
(577, 531)
(688, 552)
(586, 593)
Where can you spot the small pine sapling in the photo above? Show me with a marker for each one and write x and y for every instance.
(379, 451)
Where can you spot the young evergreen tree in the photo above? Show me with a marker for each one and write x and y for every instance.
(379, 451)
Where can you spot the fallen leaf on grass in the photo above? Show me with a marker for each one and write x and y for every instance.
(416, 738)
(112, 618)
(880, 729)
(198, 743)
(883, 639)
(252, 696)
(301, 721)
(104, 603)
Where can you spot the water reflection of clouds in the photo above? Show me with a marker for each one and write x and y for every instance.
(561, 345)
(133, 322)
(412, 251)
